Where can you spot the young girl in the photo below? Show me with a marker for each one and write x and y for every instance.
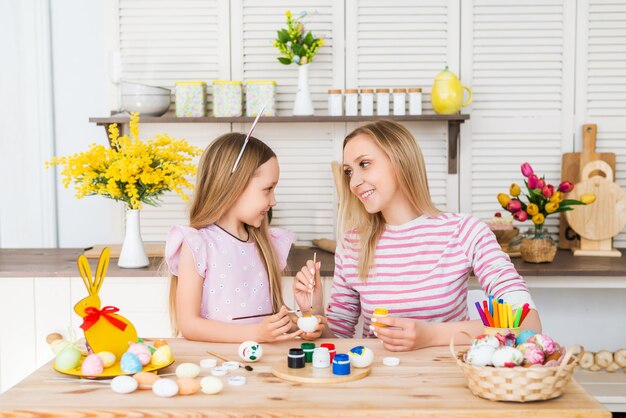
(227, 263)
(399, 252)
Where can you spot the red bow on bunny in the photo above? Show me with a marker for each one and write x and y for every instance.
(93, 315)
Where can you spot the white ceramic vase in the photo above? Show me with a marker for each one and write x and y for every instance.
(303, 105)
(133, 254)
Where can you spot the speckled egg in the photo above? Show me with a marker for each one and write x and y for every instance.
(308, 323)
(141, 351)
(165, 388)
(544, 342)
(92, 365)
(67, 358)
(187, 370)
(162, 356)
(123, 384)
(187, 386)
(507, 357)
(485, 339)
(145, 380)
(211, 385)
(360, 356)
(250, 351)
(108, 358)
(130, 364)
(524, 335)
(480, 355)
(532, 354)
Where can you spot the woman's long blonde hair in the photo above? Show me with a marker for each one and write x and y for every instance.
(408, 163)
(216, 191)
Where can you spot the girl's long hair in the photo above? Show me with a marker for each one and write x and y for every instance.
(217, 190)
(410, 170)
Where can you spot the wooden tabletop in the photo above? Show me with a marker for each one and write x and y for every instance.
(428, 383)
(61, 262)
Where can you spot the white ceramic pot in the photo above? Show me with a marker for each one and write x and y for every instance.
(303, 105)
(133, 254)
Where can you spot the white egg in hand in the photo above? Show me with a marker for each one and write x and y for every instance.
(308, 323)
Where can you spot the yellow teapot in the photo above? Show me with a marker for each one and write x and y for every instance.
(447, 93)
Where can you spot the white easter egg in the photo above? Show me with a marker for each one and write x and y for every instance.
(165, 388)
(211, 385)
(360, 356)
(507, 357)
(480, 355)
(308, 323)
(190, 370)
(123, 384)
(250, 351)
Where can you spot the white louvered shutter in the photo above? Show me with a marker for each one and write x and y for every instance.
(518, 57)
(405, 43)
(601, 80)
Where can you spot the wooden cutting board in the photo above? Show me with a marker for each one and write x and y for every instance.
(153, 249)
(571, 169)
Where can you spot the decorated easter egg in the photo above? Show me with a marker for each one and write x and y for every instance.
(211, 385)
(160, 343)
(130, 364)
(123, 384)
(507, 357)
(165, 388)
(360, 356)
(92, 365)
(507, 338)
(162, 356)
(187, 386)
(145, 380)
(308, 323)
(544, 342)
(485, 339)
(67, 358)
(108, 358)
(532, 354)
(58, 345)
(554, 357)
(187, 370)
(250, 351)
(524, 335)
(141, 351)
(480, 355)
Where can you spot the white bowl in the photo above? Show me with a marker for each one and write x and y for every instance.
(152, 105)
(142, 89)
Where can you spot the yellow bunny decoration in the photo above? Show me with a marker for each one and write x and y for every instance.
(104, 329)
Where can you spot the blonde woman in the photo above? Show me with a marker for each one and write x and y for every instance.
(396, 250)
(225, 267)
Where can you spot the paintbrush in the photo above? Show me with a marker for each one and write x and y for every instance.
(314, 269)
(248, 368)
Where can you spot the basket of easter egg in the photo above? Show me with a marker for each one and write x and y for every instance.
(74, 359)
(529, 367)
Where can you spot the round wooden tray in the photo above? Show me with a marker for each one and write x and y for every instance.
(310, 374)
(109, 372)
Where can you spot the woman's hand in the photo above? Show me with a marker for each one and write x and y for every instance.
(276, 327)
(308, 282)
(407, 334)
(310, 336)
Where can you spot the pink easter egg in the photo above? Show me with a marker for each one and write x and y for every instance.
(544, 342)
(141, 351)
(92, 365)
(532, 354)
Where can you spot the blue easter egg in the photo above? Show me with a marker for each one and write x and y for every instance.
(524, 336)
(130, 363)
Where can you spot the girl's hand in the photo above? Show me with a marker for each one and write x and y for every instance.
(310, 336)
(409, 334)
(276, 327)
(308, 281)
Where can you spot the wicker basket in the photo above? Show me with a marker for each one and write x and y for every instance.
(519, 384)
(538, 250)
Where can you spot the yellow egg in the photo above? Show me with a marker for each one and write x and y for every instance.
(162, 356)
(145, 379)
(188, 386)
(108, 358)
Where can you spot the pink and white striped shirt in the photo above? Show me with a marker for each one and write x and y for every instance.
(421, 271)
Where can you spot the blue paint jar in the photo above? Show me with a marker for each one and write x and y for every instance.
(341, 364)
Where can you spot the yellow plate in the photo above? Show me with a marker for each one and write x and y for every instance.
(112, 371)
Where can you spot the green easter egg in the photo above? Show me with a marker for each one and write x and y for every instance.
(67, 358)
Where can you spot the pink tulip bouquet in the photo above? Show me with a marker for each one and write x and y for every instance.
(542, 198)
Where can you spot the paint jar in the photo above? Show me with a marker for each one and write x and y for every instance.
(380, 313)
(308, 351)
(352, 102)
(335, 102)
(382, 102)
(399, 102)
(415, 101)
(331, 350)
(295, 358)
(341, 364)
(367, 102)
(321, 358)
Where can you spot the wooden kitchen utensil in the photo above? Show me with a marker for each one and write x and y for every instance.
(571, 169)
(599, 222)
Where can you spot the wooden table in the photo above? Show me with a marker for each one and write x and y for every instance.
(426, 384)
